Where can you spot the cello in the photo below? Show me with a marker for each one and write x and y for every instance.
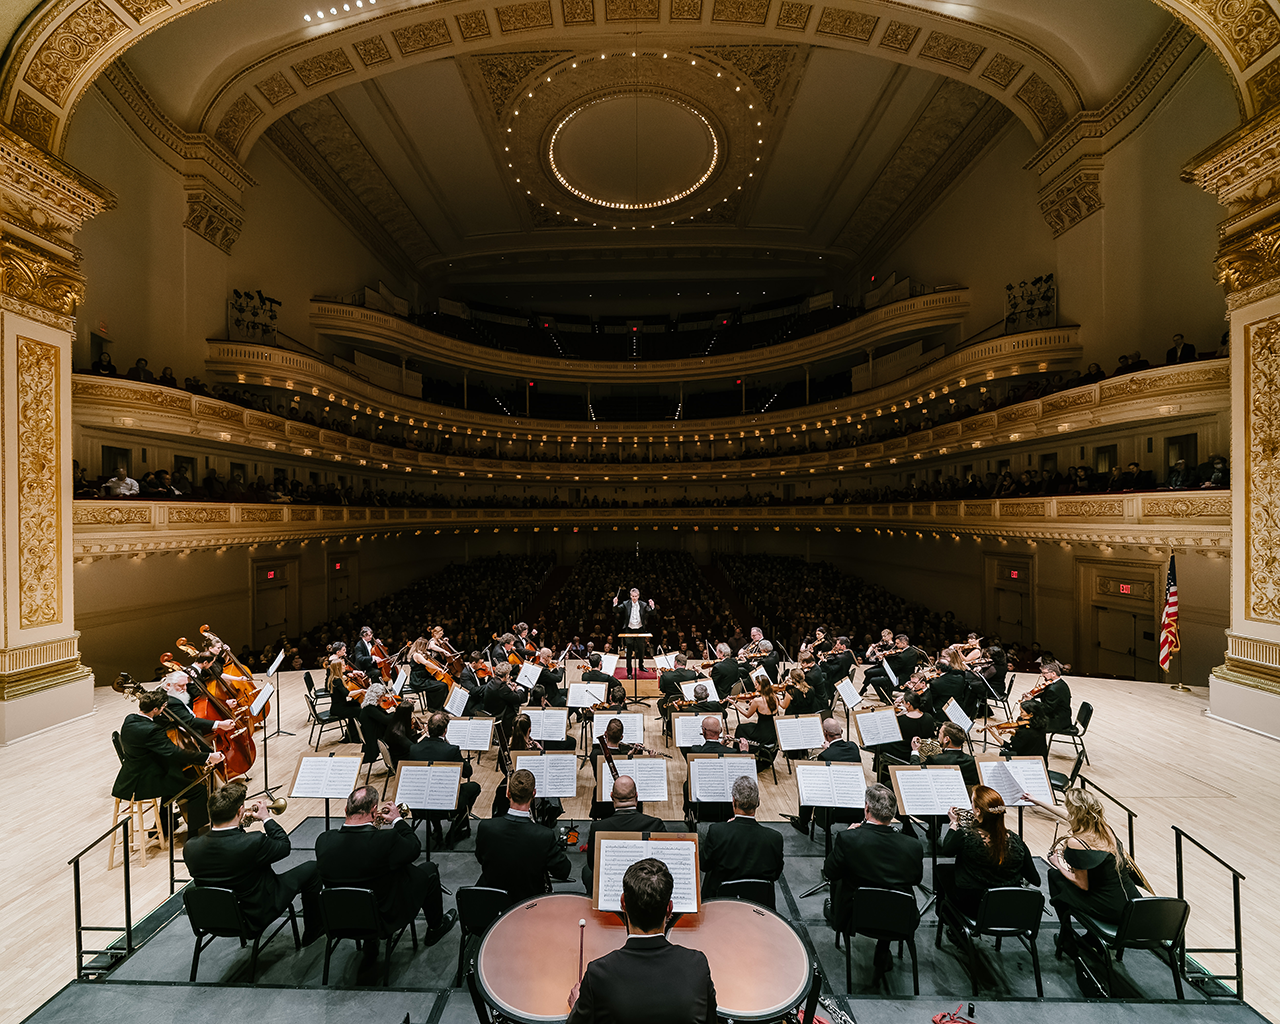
(237, 679)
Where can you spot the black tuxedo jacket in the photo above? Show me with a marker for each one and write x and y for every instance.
(951, 683)
(961, 759)
(438, 748)
(723, 675)
(740, 848)
(647, 981)
(874, 856)
(179, 710)
(625, 819)
(669, 682)
(834, 668)
(469, 681)
(241, 861)
(503, 702)
(622, 615)
(903, 663)
(842, 750)
(1187, 355)
(366, 857)
(516, 853)
(152, 764)
(1056, 701)
(362, 658)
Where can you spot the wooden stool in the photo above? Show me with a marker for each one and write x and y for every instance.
(142, 836)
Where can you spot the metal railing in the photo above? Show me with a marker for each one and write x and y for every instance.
(113, 951)
(1201, 973)
(1086, 784)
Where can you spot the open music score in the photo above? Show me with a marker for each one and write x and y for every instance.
(664, 662)
(321, 777)
(429, 785)
(649, 773)
(803, 732)
(470, 733)
(553, 774)
(583, 695)
(928, 791)
(759, 676)
(836, 784)
(688, 728)
(956, 713)
(847, 694)
(617, 851)
(711, 776)
(632, 725)
(688, 688)
(608, 664)
(547, 723)
(530, 672)
(878, 727)
(457, 702)
(1018, 775)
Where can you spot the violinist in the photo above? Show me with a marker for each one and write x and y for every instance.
(435, 746)
(901, 661)
(724, 673)
(179, 706)
(593, 673)
(836, 666)
(152, 764)
(374, 718)
(361, 656)
(1052, 697)
(953, 683)
(803, 698)
(1030, 737)
(503, 695)
(470, 680)
(913, 721)
(817, 679)
(426, 675)
(550, 677)
(760, 711)
(879, 649)
(996, 669)
(342, 706)
(669, 682)
(402, 731)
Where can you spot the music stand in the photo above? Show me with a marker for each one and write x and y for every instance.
(275, 667)
(255, 708)
(635, 697)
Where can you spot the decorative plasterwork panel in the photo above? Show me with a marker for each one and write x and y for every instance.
(631, 10)
(516, 17)
(900, 36)
(323, 66)
(38, 485)
(578, 12)
(1187, 507)
(742, 12)
(472, 25)
(766, 66)
(32, 121)
(503, 73)
(1262, 470)
(179, 514)
(1071, 401)
(373, 51)
(426, 35)
(1064, 204)
(848, 24)
(72, 46)
(686, 10)
(1091, 508)
(35, 277)
(236, 121)
(1136, 386)
(1038, 97)
(1249, 28)
(1002, 70)
(276, 89)
(948, 49)
(794, 15)
(104, 514)
(212, 215)
(140, 9)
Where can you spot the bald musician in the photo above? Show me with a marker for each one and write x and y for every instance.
(626, 817)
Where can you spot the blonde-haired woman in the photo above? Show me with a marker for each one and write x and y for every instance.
(1090, 868)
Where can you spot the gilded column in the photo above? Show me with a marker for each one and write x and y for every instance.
(43, 202)
(1243, 172)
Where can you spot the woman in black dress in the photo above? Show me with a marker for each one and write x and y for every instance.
(341, 706)
(988, 855)
(759, 727)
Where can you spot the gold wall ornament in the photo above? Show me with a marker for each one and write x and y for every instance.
(1022, 510)
(686, 10)
(631, 10)
(1002, 70)
(191, 514)
(1133, 386)
(39, 489)
(518, 17)
(900, 36)
(425, 35)
(766, 66)
(1039, 97)
(948, 49)
(88, 388)
(850, 24)
(212, 216)
(261, 515)
(1064, 204)
(472, 25)
(1248, 28)
(276, 88)
(373, 51)
(1071, 401)
(1249, 262)
(504, 73)
(578, 12)
(743, 12)
(238, 119)
(32, 121)
(35, 277)
(1262, 470)
(1188, 507)
(140, 9)
(70, 48)
(323, 66)
(794, 15)
(1091, 508)
(106, 514)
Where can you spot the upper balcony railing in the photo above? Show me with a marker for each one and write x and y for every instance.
(1189, 520)
(920, 315)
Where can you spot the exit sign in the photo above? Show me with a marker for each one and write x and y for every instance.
(1126, 588)
(337, 565)
(271, 574)
(1013, 574)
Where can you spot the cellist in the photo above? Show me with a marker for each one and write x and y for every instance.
(179, 705)
(361, 656)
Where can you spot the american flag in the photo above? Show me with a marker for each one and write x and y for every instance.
(1169, 639)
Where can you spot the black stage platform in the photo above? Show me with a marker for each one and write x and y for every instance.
(151, 985)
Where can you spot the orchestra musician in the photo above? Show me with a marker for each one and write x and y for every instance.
(1053, 698)
(901, 661)
(914, 722)
(649, 979)
(434, 690)
(524, 636)
(503, 696)
(669, 683)
(741, 847)
(153, 764)
(763, 705)
(879, 649)
(952, 684)
(362, 855)
(231, 857)
(439, 646)
(503, 648)
(803, 699)
(816, 677)
(1029, 738)
(550, 679)
(988, 855)
(361, 655)
(951, 737)
(633, 616)
(835, 750)
(626, 817)
(341, 706)
(836, 666)
(179, 706)
(374, 719)
(724, 673)
(471, 681)
(515, 852)
(712, 729)
(435, 746)
(593, 673)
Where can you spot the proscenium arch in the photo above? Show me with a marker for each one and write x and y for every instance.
(64, 45)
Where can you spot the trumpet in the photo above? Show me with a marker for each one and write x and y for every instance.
(277, 806)
(381, 817)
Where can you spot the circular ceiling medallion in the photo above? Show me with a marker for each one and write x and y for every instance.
(633, 150)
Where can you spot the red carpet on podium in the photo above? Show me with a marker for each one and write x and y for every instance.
(621, 673)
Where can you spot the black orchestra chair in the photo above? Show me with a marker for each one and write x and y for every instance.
(1007, 912)
(881, 914)
(478, 907)
(215, 913)
(1060, 782)
(753, 890)
(353, 914)
(1075, 733)
(321, 719)
(322, 699)
(1155, 923)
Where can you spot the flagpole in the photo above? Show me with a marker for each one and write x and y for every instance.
(1171, 601)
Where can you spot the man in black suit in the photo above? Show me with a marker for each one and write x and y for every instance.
(626, 817)
(633, 616)
(712, 729)
(361, 656)
(835, 666)
(835, 749)
(363, 856)
(503, 697)
(875, 856)
(1181, 352)
(436, 747)
(951, 737)
(228, 857)
(724, 673)
(741, 847)
(153, 764)
(901, 661)
(469, 679)
(502, 648)
(1054, 701)
(179, 707)
(669, 682)
(550, 679)
(648, 980)
(516, 853)
(594, 675)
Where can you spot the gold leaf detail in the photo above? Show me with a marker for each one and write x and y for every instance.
(276, 88)
(374, 50)
(236, 121)
(899, 36)
(631, 10)
(578, 12)
(686, 10)
(1262, 469)
(139, 9)
(794, 15)
(515, 17)
(742, 12)
(188, 514)
(946, 49)
(473, 24)
(1249, 27)
(38, 478)
(72, 45)
(323, 66)
(423, 36)
(1002, 70)
(1038, 97)
(850, 24)
(32, 121)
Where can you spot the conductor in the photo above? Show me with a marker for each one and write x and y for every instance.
(632, 616)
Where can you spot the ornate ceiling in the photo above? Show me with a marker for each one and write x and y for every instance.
(662, 143)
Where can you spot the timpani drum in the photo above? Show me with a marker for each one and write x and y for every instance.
(528, 960)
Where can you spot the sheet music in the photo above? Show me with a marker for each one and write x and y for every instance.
(1013, 778)
(665, 662)
(688, 688)
(931, 790)
(760, 675)
(847, 694)
(877, 727)
(632, 725)
(583, 695)
(331, 778)
(548, 723)
(956, 713)
(553, 774)
(529, 675)
(470, 733)
(649, 773)
(457, 702)
(608, 664)
(712, 778)
(402, 677)
(433, 787)
(831, 785)
(893, 678)
(616, 855)
(688, 729)
(801, 733)
(260, 701)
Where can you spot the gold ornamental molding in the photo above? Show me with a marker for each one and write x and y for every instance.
(40, 492)
(1262, 470)
(36, 667)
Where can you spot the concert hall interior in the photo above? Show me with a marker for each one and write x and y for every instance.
(854, 314)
